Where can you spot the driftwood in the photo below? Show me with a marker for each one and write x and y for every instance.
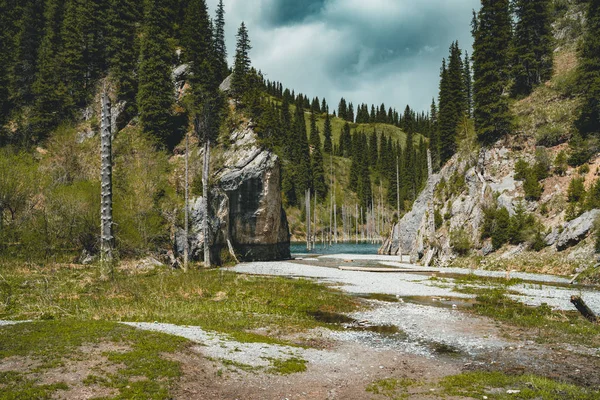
(584, 309)
(382, 270)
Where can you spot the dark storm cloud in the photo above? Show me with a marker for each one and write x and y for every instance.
(369, 51)
(285, 12)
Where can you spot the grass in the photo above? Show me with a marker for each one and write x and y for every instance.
(495, 385)
(141, 370)
(544, 324)
(288, 366)
(391, 388)
(222, 301)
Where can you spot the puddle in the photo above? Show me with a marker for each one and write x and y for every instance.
(444, 349)
(390, 298)
(332, 318)
(441, 302)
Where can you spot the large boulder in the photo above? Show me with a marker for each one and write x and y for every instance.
(573, 231)
(245, 206)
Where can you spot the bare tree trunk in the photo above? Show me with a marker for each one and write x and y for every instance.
(106, 234)
(307, 204)
(398, 185)
(205, 171)
(186, 245)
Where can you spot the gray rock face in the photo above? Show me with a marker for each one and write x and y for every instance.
(245, 206)
(226, 84)
(573, 231)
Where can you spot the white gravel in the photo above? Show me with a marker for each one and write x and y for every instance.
(404, 284)
(481, 272)
(6, 323)
(425, 324)
(222, 347)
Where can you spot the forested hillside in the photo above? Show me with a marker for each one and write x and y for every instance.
(524, 185)
(161, 64)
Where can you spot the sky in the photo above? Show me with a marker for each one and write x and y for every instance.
(367, 51)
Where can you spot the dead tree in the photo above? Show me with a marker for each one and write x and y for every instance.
(186, 244)
(584, 309)
(202, 125)
(106, 217)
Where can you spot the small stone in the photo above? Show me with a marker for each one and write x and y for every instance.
(513, 391)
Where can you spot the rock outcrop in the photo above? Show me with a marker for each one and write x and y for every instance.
(245, 206)
(573, 231)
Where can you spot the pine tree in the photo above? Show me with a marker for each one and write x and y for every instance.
(318, 173)
(468, 84)
(434, 135)
(327, 146)
(51, 96)
(155, 94)
(241, 65)
(531, 45)
(7, 45)
(345, 145)
(301, 155)
(492, 36)
(589, 73)
(315, 139)
(453, 102)
(28, 41)
(197, 40)
(73, 63)
(221, 68)
(343, 109)
(123, 50)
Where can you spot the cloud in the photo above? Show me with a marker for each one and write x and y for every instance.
(372, 51)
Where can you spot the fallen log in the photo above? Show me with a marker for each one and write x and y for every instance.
(382, 270)
(584, 309)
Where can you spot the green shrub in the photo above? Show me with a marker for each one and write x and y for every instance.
(584, 169)
(593, 197)
(550, 136)
(521, 169)
(576, 190)
(532, 187)
(542, 163)
(560, 163)
(501, 228)
(597, 224)
(460, 241)
(438, 219)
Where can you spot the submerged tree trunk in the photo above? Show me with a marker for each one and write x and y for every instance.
(106, 234)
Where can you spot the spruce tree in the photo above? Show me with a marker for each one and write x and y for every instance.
(221, 67)
(72, 59)
(155, 95)
(301, 155)
(345, 145)
(468, 84)
(197, 40)
(318, 173)
(241, 65)
(492, 37)
(123, 52)
(27, 44)
(7, 45)
(589, 73)
(51, 96)
(327, 145)
(315, 139)
(531, 45)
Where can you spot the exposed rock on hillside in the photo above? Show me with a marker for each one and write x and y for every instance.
(464, 188)
(245, 206)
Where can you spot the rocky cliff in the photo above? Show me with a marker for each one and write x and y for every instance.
(466, 186)
(245, 205)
